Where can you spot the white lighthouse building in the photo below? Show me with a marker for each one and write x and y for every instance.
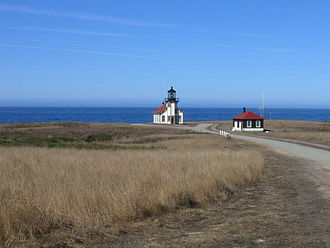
(169, 113)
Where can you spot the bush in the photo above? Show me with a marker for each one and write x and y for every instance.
(99, 137)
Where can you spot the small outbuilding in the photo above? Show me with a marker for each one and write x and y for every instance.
(169, 113)
(248, 121)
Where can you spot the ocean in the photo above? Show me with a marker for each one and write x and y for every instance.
(144, 115)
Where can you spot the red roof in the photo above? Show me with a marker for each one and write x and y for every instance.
(248, 115)
(160, 109)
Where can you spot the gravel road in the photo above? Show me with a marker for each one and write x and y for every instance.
(306, 152)
(318, 155)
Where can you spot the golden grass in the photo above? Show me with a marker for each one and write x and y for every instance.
(43, 189)
(317, 138)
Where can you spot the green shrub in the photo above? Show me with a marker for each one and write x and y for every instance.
(4, 139)
(99, 137)
(62, 139)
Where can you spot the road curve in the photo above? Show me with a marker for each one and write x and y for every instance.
(318, 155)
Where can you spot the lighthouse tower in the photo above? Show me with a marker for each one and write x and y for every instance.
(172, 101)
(169, 113)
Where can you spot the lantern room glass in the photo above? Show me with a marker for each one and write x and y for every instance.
(171, 93)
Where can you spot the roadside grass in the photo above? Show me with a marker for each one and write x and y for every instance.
(311, 131)
(317, 132)
(43, 190)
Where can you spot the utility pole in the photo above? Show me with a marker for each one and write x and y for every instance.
(262, 107)
(263, 104)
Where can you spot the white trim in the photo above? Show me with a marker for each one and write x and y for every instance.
(253, 129)
(237, 125)
(167, 114)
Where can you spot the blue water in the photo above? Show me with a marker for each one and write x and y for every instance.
(143, 115)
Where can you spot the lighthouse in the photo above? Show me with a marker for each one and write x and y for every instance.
(169, 113)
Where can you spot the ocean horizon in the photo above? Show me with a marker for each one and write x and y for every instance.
(144, 114)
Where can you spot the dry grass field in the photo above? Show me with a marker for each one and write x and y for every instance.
(317, 132)
(138, 173)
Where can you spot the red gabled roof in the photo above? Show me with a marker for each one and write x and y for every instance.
(160, 109)
(248, 115)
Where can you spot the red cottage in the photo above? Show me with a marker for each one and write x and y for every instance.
(248, 121)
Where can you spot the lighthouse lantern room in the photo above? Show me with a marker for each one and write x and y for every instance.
(169, 113)
(172, 95)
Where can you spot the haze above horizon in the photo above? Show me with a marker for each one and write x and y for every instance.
(129, 53)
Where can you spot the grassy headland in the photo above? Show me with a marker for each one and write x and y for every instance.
(83, 135)
(140, 172)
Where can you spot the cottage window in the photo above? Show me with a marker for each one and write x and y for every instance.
(249, 123)
(168, 119)
(163, 118)
(258, 123)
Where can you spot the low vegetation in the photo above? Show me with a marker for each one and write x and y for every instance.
(43, 190)
(83, 135)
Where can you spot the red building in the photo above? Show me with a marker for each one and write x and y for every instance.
(248, 121)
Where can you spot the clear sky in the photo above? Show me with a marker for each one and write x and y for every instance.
(129, 52)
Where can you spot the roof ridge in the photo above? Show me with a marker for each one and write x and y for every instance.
(160, 109)
(248, 115)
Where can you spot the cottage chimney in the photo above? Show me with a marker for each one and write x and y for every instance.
(244, 109)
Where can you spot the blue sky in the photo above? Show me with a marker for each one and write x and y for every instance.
(129, 53)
